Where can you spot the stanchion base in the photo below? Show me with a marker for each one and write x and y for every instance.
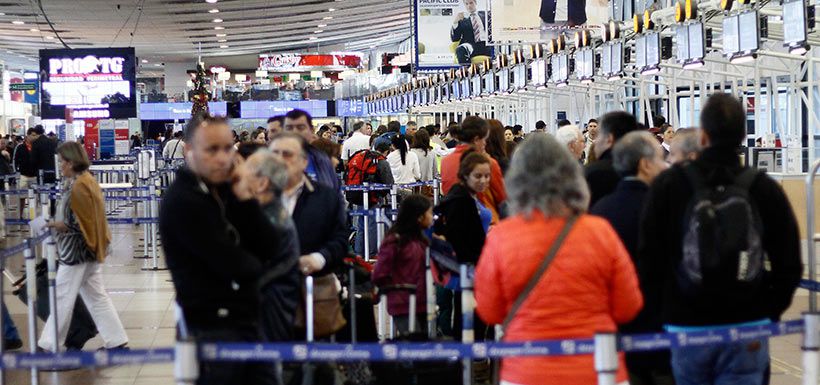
(142, 257)
(154, 268)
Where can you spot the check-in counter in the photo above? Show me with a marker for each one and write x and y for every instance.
(795, 187)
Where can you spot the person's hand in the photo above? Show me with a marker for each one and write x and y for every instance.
(308, 265)
(459, 17)
(58, 226)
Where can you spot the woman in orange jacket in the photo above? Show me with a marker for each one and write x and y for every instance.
(590, 286)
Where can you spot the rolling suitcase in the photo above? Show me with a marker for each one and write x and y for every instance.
(82, 327)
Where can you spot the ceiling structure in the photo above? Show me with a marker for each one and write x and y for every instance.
(181, 30)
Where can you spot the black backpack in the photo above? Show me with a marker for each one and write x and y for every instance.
(723, 254)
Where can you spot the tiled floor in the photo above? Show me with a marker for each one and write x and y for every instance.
(144, 302)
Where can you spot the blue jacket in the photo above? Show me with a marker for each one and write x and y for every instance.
(321, 170)
(623, 210)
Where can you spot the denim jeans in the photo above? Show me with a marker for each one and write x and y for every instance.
(9, 330)
(371, 227)
(737, 363)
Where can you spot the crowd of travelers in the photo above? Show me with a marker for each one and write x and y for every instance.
(612, 227)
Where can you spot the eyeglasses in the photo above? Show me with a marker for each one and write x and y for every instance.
(285, 154)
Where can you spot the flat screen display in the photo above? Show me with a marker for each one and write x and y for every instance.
(617, 58)
(503, 80)
(563, 68)
(344, 107)
(682, 41)
(520, 76)
(749, 34)
(653, 50)
(489, 84)
(538, 72)
(606, 59)
(182, 110)
(731, 41)
(93, 82)
(423, 97)
(266, 109)
(589, 63)
(465, 88)
(580, 64)
(455, 94)
(696, 42)
(475, 90)
(431, 95)
(794, 21)
(640, 51)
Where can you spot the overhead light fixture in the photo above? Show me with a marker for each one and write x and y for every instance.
(221, 35)
(221, 40)
(318, 31)
(219, 28)
(322, 25)
(158, 65)
(34, 30)
(327, 18)
(693, 65)
(49, 37)
(145, 60)
(614, 77)
(799, 50)
(213, 11)
(217, 20)
(651, 71)
(2, 14)
(18, 22)
(331, 9)
(211, 1)
(313, 38)
(223, 46)
(740, 59)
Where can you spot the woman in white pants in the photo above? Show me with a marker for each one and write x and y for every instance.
(82, 239)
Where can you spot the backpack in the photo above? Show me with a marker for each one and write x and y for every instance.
(363, 168)
(723, 255)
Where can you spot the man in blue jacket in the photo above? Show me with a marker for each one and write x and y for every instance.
(319, 167)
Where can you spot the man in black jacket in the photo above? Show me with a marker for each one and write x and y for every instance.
(216, 240)
(600, 175)
(470, 30)
(660, 252)
(43, 150)
(638, 158)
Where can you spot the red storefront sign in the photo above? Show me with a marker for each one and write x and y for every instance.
(92, 137)
(296, 61)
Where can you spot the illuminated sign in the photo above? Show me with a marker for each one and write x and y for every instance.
(266, 109)
(286, 62)
(177, 111)
(90, 68)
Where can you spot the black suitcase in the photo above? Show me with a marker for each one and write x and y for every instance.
(82, 327)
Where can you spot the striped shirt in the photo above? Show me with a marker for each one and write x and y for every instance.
(71, 246)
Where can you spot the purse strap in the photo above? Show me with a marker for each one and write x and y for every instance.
(545, 263)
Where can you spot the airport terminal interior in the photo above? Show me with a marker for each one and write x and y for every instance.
(357, 192)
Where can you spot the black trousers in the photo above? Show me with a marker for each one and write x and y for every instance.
(463, 53)
(233, 373)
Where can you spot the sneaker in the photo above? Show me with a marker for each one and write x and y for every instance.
(14, 344)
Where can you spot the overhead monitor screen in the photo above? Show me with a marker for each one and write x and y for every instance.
(423, 97)
(266, 109)
(589, 63)
(504, 80)
(563, 72)
(521, 76)
(653, 50)
(539, 72)
(476, 88)
(749, 34)
(731, 41)
(617, 58)
(640, 51)
(465, 88)
(580, 64)
(696, 42)
(431, 95)
(92, 82)
(682, 41)
(794, 21)
(606, 59)
(555, 67)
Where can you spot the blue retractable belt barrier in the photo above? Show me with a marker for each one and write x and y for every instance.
(87, 359)
(810, 285)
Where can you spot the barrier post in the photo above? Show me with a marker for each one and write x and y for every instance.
(32, 203)
(436, 191)
(352, 298)
(811, 232)
(811, 347)
(51, 258)
(31, 293)
(467, 306)
(2, 326)
(606, 358)
(431, 297)
(366, 223)
(394, 201)
(309, 308)
(186, 366)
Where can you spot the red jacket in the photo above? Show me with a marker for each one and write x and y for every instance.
(403, 265)
(589, 287)
(492, 198)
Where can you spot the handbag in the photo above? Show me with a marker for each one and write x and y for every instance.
(542, 268)
(327, 308)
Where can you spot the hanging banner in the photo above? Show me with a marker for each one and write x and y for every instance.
(91, 137)
(285, 62)
(539, 20)
(452, 32)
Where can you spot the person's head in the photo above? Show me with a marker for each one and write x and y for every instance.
(658, 121)
(592, 128)
(474, 171)
(260, 136)
(638, 155)
(399, 143)
(411, 128)
(275, 124)
(245, 150)
(209, 150)
(508, 134)
(300, 122)
(543, 176)
(470, 5)
(540, 126)
(563, 122)
(31, 135)
(474, 131)
(381, 130)
(178, 135)
(244, 137)
(722, 121)
(263, 174)
(571, 137)
(518, 130)
(382, 147)
(495, 140)
(362, 127)
(393, 126)
(325, 132)
(614, 125)
(684, 146)
(452, 130)
(331, 148)
(422, 140)
(73, 159)
(292, 149)
(431, 129)
(667, 133)
(169, 133)
(415, 215)
(39, 129)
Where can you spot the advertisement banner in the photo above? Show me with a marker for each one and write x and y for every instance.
(452, 32)
(285, 62)
(539, 20)
(121, 142)
(92, 137)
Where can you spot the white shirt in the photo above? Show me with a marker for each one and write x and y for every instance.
(173, 149)
(409, 172)
(561, 11)
(427, 163)
(354, 144)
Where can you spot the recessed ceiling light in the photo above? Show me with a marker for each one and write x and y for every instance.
(49, 37)
(18, 22)
(218, 28)
(158, 65)
(211, 1)
(327, 18)
(313, 38)
(34, 30)
(331, 9)
(217, 20)
(221, 40)
(145, 60)
(318, 31)
(2, 14)
(322, 25)
(221, 35)
(213, 11)
(223, 46)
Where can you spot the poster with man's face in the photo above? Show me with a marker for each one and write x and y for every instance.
(452, 32)
(540, 20)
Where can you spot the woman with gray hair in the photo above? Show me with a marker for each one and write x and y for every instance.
(264, 176)
(550, 271)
